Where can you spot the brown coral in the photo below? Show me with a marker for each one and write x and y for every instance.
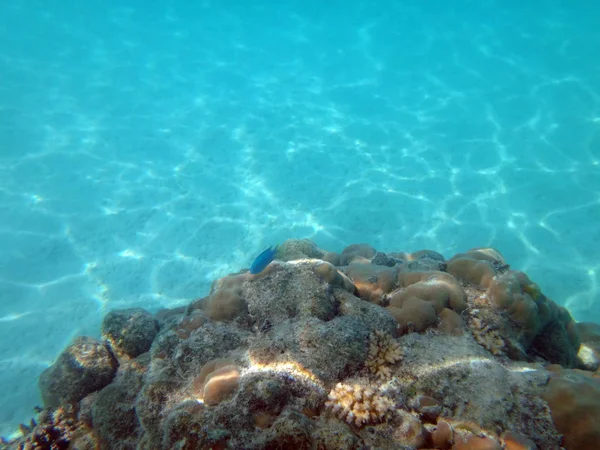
(358, 404)
(356, 251)
(538, 321)
(471, 442)
(372, 281)
(226, 301)
(439, 288)
(514, 293)
(451, 322)
(574, 398)
(189, 324)
(218, 378)
(422, 296)
(414, 315)
(329, 273)
(515, 441)
(478, 266)
(383, 352)
(442, 435)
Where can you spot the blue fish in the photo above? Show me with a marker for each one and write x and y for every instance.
(263, 260)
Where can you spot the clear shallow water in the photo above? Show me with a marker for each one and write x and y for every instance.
(146, 149)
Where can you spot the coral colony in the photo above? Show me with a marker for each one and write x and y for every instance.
(319, 350)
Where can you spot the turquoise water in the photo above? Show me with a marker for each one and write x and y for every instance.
(148, 148)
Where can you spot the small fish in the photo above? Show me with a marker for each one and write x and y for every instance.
(263, 260)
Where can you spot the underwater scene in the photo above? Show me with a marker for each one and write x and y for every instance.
(299, 225)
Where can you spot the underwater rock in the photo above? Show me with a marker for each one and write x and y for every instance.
(292, 429)
(292, 291)
(320, 350)
(114, 419)
(381, 259)
(476, 390)
(294, 249)
(130, 331)
(83, 367)
(111, 411)
(420, 261)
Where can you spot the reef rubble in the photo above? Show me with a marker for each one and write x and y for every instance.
(356, 350)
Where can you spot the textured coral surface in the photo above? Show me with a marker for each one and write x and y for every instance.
(327, 351)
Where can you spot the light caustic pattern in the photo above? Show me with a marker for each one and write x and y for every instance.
(147, 150)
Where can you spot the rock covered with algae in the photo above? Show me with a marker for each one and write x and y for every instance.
(334, 351)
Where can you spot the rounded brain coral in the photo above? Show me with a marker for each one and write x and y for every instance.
(478, 266)
(439, 288)
(414, 315)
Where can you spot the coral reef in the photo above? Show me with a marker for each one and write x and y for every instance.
(537, 324)
(58, 428)
(295, 249)
(130, 331)
(360, 349)
(87, 365)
